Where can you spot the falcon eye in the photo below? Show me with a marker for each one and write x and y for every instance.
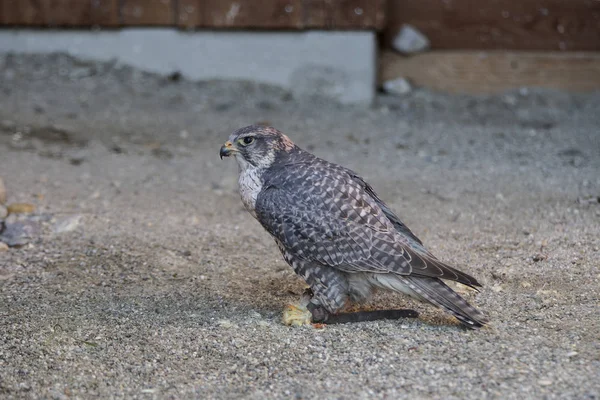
(247, 140)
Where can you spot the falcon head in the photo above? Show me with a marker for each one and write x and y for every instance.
(256, 146)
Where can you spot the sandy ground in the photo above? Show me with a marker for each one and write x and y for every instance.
(145, 278)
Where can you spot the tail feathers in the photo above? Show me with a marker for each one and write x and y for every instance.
(436, 292)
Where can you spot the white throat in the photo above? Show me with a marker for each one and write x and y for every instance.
(250, 183)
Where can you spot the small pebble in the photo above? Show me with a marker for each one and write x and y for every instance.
(67, 225)
(20, 208)
(399, 86)
(225, 323)
(497, 288)
(3, 212)
(545, 382)
(3, 247)
(19, 233)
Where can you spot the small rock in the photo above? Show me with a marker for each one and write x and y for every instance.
(545, 382)
(497, 288)
(581, 199)
(225, 323)
(67, 225)
(3, 247)
(3, 212)
(525, 284)
(410, 40)
(254, 314)
(2, 192)
(399, 86)
(538, 257)
(20, 208)
(19, 233)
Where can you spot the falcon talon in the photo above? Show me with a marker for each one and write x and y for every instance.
(296, 316)
(335, 232)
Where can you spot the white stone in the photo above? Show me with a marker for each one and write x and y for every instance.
(399, 86)
(410, 40)
(67, 225)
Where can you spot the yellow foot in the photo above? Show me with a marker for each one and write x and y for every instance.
(296, 315)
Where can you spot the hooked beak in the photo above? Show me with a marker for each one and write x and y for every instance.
(227, 149)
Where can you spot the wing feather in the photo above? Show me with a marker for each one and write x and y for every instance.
(343, 224)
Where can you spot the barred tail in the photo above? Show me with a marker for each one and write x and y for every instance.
(436, 292)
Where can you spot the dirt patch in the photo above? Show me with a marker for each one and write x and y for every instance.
(147, 278)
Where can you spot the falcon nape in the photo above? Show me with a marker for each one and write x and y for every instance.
(337, 234)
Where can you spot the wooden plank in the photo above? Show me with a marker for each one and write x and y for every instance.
(227, 14)
(21, 12)
(282, 14)
(344, 14)
(148, 12)
(59, 12)
(353, 14)
(494, 71)
(318, 14)
(500, 24)
(105, 12)
(189, 13)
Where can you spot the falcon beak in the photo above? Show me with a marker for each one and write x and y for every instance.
(227, 149)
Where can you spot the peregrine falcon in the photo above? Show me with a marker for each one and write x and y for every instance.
(335, 232)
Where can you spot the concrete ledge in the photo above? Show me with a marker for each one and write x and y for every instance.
(341, 65)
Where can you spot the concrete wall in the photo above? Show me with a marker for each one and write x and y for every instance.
(341, 65)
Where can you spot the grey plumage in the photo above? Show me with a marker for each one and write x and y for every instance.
(334, 230)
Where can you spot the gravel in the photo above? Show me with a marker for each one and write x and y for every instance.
(146, 278)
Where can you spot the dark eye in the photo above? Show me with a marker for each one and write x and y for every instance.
(248, 140)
